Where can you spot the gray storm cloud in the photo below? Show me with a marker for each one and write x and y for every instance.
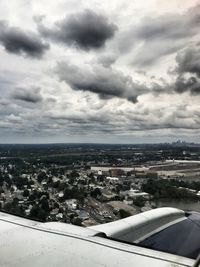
(106, 82)
(30, 95)
(86, 30)
(188, 70)
(191, 84)
(189, 60)
(17, 41)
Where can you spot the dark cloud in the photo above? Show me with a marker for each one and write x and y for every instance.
(86, 30)
(31, 95)
(16, 41)
(188, 70)
(189, 60)
(186, 73)
(191, 84)
(106, 82)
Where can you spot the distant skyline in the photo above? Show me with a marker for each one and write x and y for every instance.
(99, 71)
(109, 141)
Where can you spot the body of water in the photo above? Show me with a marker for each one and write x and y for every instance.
(184, 204)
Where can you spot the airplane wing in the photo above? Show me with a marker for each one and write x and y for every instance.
(164, 229)
(27, 243)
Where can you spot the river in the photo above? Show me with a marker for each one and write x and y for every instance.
(184, 204)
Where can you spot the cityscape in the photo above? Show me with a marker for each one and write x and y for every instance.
(90, 184)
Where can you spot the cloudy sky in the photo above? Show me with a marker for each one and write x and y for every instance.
(113, 71)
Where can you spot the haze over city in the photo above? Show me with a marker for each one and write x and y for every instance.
(99, 71)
